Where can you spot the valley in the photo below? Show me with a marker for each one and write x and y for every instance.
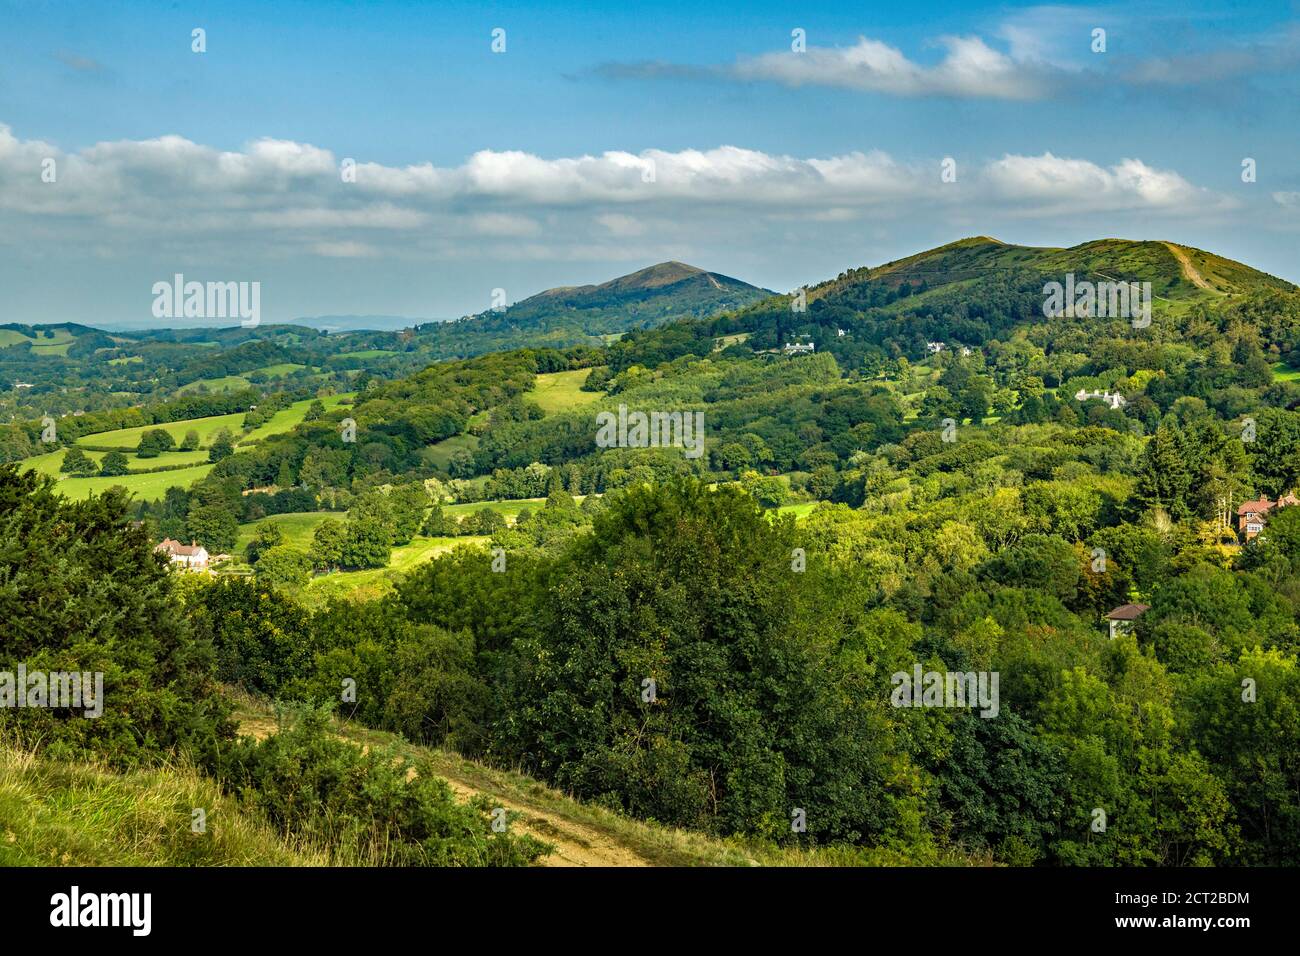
(407, 558)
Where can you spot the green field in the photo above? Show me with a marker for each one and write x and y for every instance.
(227, 383)
(368, 354)
(724, 341)
(48, 464)
(297, 526)
(374, 582)
(290, 417)
(146, 487)
(439, 454)
(128, 438)
(510, 509)
(1284, 373)
(152, 487)
(283, 420)
(561, 391)
(58, 345)
(55, 346)
(800, 510)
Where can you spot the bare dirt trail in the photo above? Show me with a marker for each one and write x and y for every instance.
(1189, 270)
(575, 843)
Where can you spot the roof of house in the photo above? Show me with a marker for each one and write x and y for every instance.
(1263, 504)
(1128, 612)
(183, 550)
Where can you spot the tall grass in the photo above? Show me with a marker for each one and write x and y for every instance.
(56, 813)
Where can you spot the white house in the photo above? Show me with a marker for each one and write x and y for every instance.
(1122, 618)
(191, 557)
(795, 348)
(1113, 399)
(935, 347)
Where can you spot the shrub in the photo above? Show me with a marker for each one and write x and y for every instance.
(387, 809)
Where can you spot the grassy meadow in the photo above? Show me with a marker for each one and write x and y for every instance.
(562, 391)
(152, 485)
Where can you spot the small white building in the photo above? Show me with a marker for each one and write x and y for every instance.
(1122, 619)
(191, 557)
(796, 348)
(934, 347)
(1113, 399)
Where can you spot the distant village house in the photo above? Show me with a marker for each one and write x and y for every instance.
(1113, 399)
(1251, 515)
(191, 557)
(1123, 617)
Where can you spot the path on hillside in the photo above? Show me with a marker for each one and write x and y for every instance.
(575, 843)
(1189, 270)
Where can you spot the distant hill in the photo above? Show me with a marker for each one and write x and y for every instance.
(979, 290)
(582, 315)
(362, 323)
(669, 290)
(1175, 271)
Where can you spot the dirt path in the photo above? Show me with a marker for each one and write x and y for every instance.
(575, 844)
(1189, 270)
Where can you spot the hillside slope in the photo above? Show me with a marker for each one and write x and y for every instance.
(653, 295)
(57, 813)
(584, 834)
(582, 315)
(1175, 271)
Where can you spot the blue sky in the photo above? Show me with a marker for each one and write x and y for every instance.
(603, 140)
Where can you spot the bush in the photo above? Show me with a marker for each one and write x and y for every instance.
(384, 808)
(439, 524)
(114, 465)
(222, 447)
(85, 592)
(154, 442)
(77, 462)
(486, 521)
(283, 566)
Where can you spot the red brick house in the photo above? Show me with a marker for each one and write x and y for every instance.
(1251, 515)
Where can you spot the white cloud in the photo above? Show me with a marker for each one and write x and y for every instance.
(620, 225)
(970, 68)
(277, 198)
(345, 250)
(1035, 53)
(504, 224)
(1055, 184)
